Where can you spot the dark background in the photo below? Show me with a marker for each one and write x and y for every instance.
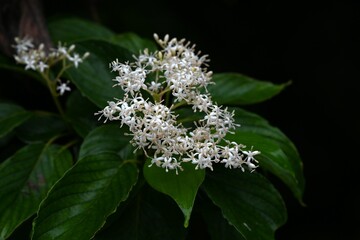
(314, 45)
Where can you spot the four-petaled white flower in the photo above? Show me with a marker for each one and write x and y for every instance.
(23, 44)
(76, 59)
(63, 87)
(42, 66)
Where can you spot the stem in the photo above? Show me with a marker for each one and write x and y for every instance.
(179, 104)
(157, 76)
(51, 85)
(64, 67)
(164, 91)
(158, 96)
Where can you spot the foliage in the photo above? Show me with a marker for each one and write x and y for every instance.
(74, 178)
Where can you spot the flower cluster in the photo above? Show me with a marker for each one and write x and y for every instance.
(38, 59)
(177, 73)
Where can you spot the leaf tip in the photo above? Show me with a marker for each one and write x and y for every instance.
(187, 214)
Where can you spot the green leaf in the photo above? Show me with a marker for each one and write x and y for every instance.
(78, 205)
(41, 127)
(103, 139)
(90, 191)
(278, 153)
(26, 178)
(248, 201)
(151, 216)
(80, 113)
(133, 42)
(186, 116)
(218, 227)
(93, 77)
(71, 30)
(237, 89)
(182, 187)
(11, 116)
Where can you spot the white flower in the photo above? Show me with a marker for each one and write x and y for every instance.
(250, 155)
(75, 59)
(155, 87)
(30, 62)
(63, 87)
(23, 44)
(41, 66)
(250, 159)
(62, 50)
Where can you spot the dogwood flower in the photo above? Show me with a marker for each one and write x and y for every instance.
(177, 70)
(40, 59)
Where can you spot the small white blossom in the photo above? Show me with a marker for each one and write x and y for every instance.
(63, 87)
(155, 87)
(41, 66)
(29, 62)
(23, 44)
(62, 51)
(75, 59)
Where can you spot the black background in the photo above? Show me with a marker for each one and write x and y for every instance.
(314, 45)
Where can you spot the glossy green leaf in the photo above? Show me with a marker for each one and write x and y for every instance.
(238, 89)
(26, 178)
(278, 153)
(151, 216)
(248, 201)
(11, 116)
(80, 113)
(106, 138)
(182, 187)
(70, 30)
(93, 77)
(217, 226)
(133, 42)
(91, 190)
(41, 127)
(78, 205)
